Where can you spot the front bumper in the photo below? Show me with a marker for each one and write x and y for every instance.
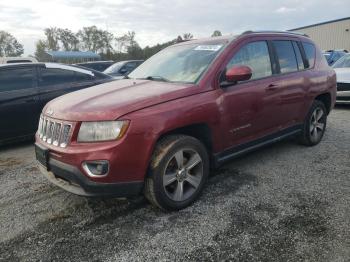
(343, 97)
(343, 93)
(72, 180)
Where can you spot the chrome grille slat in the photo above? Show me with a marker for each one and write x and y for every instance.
(54, 132)
(56, 136)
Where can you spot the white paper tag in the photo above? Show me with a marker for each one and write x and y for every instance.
(212, 48)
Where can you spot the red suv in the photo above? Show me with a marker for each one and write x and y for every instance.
(190, 107)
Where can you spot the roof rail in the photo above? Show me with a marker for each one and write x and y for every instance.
(275, 32)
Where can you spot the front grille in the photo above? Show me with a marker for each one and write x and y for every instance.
(343, 86)
(54, 132)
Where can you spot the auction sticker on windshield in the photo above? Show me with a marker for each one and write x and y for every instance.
(208, 48)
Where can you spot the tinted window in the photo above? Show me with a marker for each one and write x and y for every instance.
(56, 76)
(83, 77)
(285, 56)
(130, 66)
(310, 53)
(298, 56)
(15, 79)
(256, 56)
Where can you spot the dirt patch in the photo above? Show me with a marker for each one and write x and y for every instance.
(9, 162)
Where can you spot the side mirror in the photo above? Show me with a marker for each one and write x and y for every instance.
(238, 73)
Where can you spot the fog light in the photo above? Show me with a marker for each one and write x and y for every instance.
(98, 168)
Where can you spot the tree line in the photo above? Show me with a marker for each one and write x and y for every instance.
(92, 38)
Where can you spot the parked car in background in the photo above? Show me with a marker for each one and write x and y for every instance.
(122, 68)
(11, 60)
(97, 65)
(333, 55)
(342, 69)
(26, 87)
(191, 106)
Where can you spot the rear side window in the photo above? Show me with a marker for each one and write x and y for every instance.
(310, 53)
(285, 56)
(16, 79)
(256, 56)
(298, 56)
(56, 76)
(131, 65)
(83, 77)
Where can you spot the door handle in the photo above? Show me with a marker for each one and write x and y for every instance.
(271, 87)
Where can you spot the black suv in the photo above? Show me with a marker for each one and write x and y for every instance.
(26, 87)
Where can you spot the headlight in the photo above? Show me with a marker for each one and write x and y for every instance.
(102, 131)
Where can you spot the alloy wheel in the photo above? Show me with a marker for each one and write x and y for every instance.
(317, 124)
(183, 174)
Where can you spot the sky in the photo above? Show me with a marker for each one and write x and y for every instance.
(157, 21)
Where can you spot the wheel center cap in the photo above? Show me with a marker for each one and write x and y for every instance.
(181, 174)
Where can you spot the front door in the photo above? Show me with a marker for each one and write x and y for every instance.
(250, 110)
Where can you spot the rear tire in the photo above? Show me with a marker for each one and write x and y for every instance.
(314, 125)
(178, 171)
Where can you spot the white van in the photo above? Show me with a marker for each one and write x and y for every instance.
(11, 60)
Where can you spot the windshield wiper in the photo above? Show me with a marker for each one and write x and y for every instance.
(157, 78)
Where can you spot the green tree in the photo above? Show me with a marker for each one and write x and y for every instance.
(68, 39)
(126, 42)
(216, 33)
(9, 46)
(96, 40)
(52, 38)
(41, 47)
(187, 36)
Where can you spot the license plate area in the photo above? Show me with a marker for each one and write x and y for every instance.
(42, 155)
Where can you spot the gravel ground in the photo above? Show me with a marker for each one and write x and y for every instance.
(282, 203)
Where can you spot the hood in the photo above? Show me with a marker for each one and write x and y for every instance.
(343, 75)
(112, 100)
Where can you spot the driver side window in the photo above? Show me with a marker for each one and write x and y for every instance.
(256, 56)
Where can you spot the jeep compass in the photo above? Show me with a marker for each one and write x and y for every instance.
(189, 108)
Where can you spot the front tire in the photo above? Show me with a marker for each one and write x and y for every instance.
(314, 125)
(178, 171)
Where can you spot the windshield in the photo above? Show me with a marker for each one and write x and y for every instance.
(114, 68)
(342, 62)
(181, 63)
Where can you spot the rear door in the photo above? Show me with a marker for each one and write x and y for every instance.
(19, 102)
(288, 85)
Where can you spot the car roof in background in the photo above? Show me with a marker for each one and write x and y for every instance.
(95, 62)
(53, 65)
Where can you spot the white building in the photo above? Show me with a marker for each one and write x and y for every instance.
(329, 35)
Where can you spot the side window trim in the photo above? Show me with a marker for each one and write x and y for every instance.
(277, 58)
(303, 55)
(295, 45)
(275, 66)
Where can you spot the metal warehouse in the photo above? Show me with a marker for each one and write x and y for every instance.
(329, 35)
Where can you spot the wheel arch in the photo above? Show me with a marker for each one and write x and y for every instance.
(200, 131)
(326, 99)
